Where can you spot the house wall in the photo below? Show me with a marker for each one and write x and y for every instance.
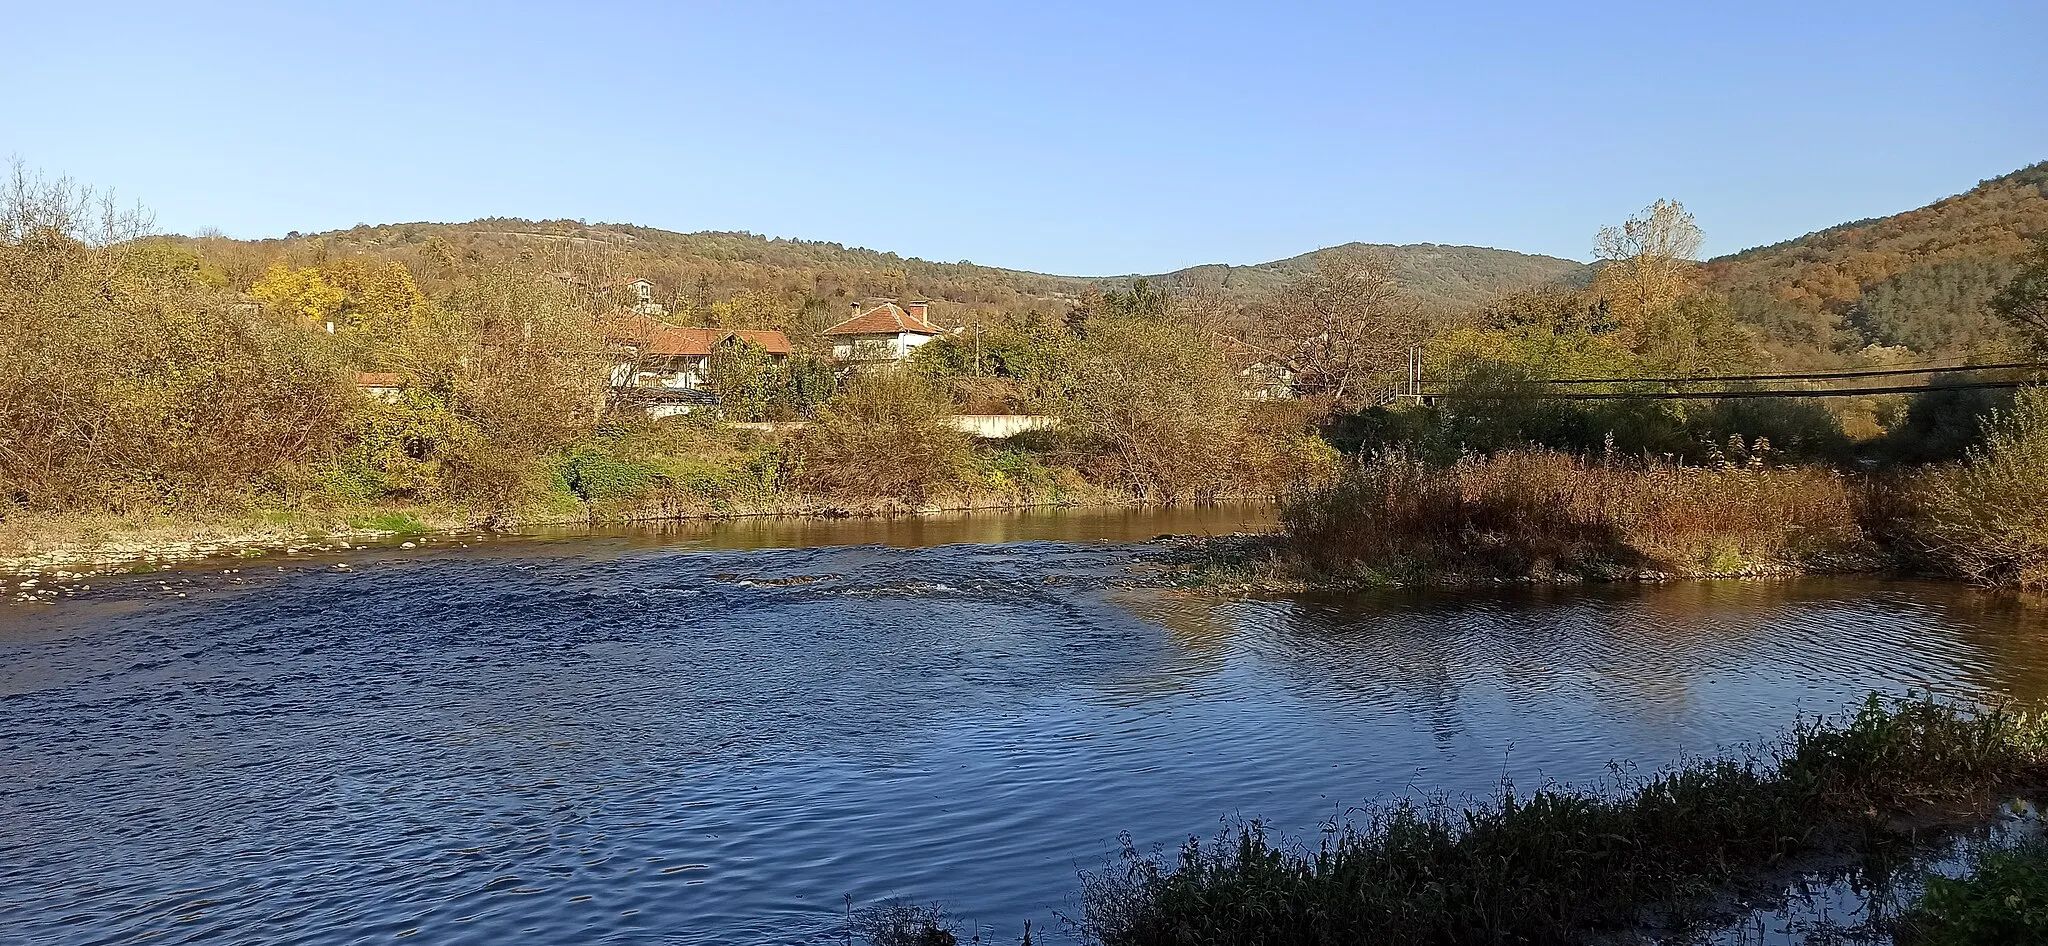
(683, 374)
(892, 347)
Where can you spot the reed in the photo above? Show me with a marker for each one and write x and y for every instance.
(1540, 513)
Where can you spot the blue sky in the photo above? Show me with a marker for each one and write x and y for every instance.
(1080, 138)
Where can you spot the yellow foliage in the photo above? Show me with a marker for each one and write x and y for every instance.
(302, 292)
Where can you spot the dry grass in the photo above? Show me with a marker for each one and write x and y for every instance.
(1986, 520)
(1539, 513)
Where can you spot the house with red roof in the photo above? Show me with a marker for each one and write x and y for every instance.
(386, 386)
(666, 368)
(883, 334)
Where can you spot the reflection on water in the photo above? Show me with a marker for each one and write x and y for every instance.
(649, 738)
(968, 527)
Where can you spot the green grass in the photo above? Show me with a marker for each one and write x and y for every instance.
(396, 523)
(1558, 864)
(2003, 901)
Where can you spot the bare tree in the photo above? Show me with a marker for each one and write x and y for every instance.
(1344, 326)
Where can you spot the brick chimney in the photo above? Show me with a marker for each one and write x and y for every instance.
(856, 309)
(916, 309)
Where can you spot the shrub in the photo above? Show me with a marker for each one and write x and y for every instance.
(884, 437)
(1985, 520)
(900, 923)
(2004, 900)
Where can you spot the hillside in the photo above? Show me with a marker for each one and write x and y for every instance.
(1918, 280)
(1453, 276)
(803, 285)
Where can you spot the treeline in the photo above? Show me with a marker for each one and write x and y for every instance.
(143, 375)
(135, 377)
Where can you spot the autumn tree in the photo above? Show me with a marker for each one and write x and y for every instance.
(527, 379)
(128, 378)
(1647, 263)
(1155, 399)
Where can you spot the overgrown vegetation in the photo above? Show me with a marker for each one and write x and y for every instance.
(1987, 519)
(2003, 900)
(171, 377)
(1536, 513)
(1560, 863)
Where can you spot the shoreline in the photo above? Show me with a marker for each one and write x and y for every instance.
(97, 545)
(1258, 564)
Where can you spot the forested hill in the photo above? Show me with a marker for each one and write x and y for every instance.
(1919, 279)
(799, 282)
(1452, 276)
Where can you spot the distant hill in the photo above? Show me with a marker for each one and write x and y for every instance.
(811, 282)
(1919, 279)
(1443, 275)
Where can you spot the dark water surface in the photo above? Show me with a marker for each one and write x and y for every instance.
(699, 737)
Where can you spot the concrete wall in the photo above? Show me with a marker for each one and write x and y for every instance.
(983, 426)
(1001, 426)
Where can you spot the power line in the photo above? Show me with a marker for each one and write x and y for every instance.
(1724, 395)
(1810, 376)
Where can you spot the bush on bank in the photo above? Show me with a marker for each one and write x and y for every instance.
(1986, 519)
(2004, 900)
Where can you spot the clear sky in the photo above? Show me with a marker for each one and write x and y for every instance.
(1078, 138)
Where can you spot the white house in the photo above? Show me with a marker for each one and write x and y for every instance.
(644, 302)
(1263, 375)
(884, 334)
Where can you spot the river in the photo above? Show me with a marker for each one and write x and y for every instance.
(719, 733)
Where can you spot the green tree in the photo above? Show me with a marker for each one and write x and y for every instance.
(1156, 398)
(2024, 301)
(884, 437)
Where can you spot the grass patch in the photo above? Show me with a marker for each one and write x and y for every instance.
(396, 523)
(1560, 864)
(2004, 900)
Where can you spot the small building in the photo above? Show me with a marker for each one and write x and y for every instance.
(644, 302)
(385, 386)
(884, 334)
(1264, 375)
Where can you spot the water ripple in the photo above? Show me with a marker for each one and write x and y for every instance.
(618, 743)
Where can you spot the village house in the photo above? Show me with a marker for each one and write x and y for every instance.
(385, 386)
(644, 302)
(1264, 375)
(884, 334)
(666, 368)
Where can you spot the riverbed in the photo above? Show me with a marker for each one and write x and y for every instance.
(724, 733)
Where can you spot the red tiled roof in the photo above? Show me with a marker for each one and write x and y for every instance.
(629, 326)
(884, 319)
(379, 379)
(669, 340)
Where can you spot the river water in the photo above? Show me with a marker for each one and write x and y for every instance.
(718, 734)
